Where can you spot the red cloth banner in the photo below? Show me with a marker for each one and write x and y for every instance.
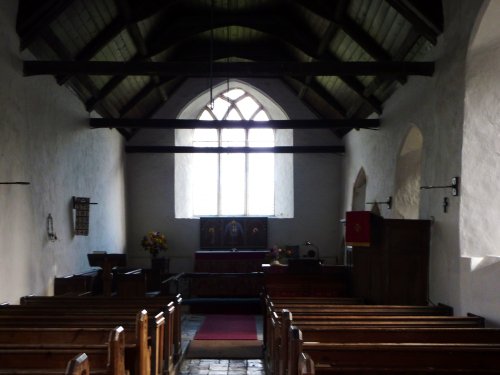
(361, 228)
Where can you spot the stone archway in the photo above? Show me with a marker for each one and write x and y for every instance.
(408, 172)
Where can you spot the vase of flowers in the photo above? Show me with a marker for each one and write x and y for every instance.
(280, 254)
(154, 243)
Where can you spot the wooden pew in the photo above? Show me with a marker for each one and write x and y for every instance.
(169, 305)
(280, 326)
(269, 307)
(131, 283)
(78, 365)
(305, 364)
(75, 285)
(152, 304)
(380, 335)
(106, 357)
(334, 306)
(138, 351)
(322, 316)
(336, 309)
(403, 358)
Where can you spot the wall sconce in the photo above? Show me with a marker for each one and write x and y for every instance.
(388, 202)
(50, 229)
(454, 186)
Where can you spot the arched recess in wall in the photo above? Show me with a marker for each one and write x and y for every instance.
(479, 198)
(359, 192)
(408, 173)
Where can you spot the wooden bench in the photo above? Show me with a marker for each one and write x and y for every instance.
(75, 285)
(169, 305)
(278, 333)
(354, 335)
(151, 304)
(78, 365)
(106, 357)
(403, 358)
(269, 307)
(334, 306)
(138, 351)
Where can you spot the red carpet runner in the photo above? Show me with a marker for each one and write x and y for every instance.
(227, 327)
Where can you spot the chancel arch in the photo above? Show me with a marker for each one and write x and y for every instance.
(408, 175)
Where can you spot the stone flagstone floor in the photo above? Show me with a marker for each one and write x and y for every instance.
(190, 325)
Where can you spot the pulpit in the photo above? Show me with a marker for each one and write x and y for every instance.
(389, 260)
(107, 262)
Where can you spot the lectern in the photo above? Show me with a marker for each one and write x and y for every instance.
(107, 262)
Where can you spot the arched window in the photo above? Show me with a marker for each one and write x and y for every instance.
(229, 184)
(233, 184)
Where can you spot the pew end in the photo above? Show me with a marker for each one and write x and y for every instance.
(305, 365)
(78, 365)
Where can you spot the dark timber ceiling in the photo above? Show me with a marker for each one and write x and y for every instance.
(126, 58)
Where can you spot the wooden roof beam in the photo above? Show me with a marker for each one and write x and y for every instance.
(127, 123)
(234, 150)
(235, 69)
(94, 46)
(338, 15)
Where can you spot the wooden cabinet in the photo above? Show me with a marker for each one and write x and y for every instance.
(394, 269)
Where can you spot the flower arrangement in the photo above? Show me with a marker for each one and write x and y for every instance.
(154, 242)
(280, 252)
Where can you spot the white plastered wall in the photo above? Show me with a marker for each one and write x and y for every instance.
(45, 140)
(436, 106)
(480, 208)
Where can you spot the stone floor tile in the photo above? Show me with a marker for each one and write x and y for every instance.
(190, 325)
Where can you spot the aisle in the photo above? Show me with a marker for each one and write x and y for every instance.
(190, 325)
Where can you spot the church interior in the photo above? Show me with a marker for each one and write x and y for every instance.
(251, 157)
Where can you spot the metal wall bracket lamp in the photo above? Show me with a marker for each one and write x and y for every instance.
(454, 186)
(388, 202)
(50, 229)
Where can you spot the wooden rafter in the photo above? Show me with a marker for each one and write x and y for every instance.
(338, 15)
(426, 28)
(224, 70)
(98, 43)
(146, 90)
(319, 90)
(121, 123)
